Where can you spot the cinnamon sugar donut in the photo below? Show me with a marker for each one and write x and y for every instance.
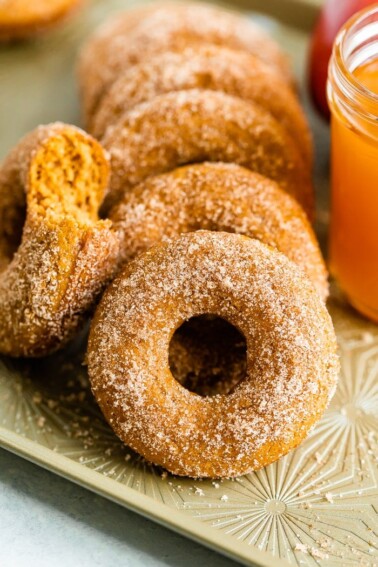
(292, 364)
(222, 197)
(20, 19)
(134, 36)
(211, 67)
(200, 125)
(51, 270)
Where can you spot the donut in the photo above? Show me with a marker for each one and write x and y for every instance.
(55, 254)
(136, 35)
(223, 197)
(206, 66)
(211, 67)
(22, 19)
(292, 365)
(201, 125)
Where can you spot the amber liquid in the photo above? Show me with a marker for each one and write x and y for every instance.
(354, 225)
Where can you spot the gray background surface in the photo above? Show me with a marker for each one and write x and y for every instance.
(47, 521)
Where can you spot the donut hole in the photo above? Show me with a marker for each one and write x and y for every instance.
(208, 355)
(67, 178)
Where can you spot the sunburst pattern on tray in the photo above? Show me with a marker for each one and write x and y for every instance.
(315, 506)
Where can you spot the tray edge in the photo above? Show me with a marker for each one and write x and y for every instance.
(135, 501)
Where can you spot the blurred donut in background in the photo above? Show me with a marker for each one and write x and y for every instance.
(24, 19)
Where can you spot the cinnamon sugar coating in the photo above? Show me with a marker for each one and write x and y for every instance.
(55, 254)
(136, 35)
(201, 125)
(292, 364)
(210, 67)
(220, 197)
(22, 19)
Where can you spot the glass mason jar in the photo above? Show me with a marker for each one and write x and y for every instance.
(353, 98)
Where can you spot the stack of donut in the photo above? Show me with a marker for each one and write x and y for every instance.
(198, 111)
(173, 84)
(208, 212)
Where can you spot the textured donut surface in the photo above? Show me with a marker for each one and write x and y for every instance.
(201, 125)
(210, 67)
(221, 197)
(292, 364)
(137, 35)
(51, 184)
(20, 19)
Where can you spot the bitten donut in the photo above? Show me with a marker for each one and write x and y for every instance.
(222, 197)
(211, 67)
(21, 19)
(55, 254)
(136, 35)
(292, 364)
(201, 125)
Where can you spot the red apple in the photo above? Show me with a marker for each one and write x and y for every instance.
(333, 15)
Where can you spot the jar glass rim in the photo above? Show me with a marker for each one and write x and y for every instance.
(355, 23)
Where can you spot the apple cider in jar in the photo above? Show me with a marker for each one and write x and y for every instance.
(353, 99)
